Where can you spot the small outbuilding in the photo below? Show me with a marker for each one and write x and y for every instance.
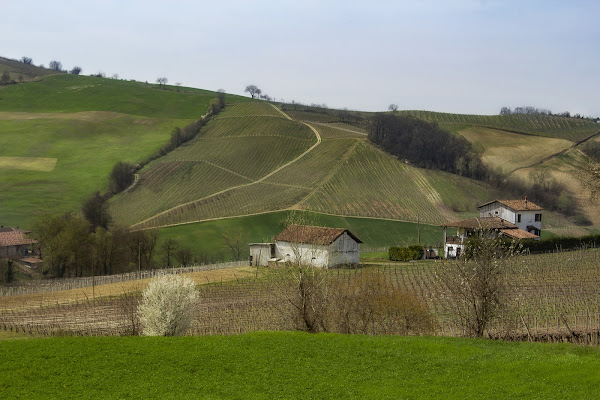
(309, 245)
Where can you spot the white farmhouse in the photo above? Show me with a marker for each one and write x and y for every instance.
(524, 214)
(517, 219)
(309, 245)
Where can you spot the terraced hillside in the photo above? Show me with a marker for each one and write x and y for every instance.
(61, 135)
(267, 162)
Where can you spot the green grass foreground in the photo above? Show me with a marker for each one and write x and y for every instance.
(295, 365)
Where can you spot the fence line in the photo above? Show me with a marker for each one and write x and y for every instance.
(78, 283)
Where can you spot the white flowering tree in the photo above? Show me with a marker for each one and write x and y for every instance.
(167, 305)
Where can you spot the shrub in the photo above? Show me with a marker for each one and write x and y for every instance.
(166, 306)
(412, 252)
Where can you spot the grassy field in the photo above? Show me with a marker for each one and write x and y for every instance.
(295, 365)
(52, 164)
(508, 151)
(205, 238)
(71, 93)
(61, 135)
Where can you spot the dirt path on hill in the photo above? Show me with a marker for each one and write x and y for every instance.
(311, 148)
(551, 156)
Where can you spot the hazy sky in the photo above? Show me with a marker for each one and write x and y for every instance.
(464, 56)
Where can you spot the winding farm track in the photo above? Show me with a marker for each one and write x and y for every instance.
(318, 136)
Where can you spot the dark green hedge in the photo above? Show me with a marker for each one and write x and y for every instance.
(412, 252)
(561, 243)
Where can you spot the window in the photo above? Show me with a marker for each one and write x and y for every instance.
(518, 217)
(538, 217)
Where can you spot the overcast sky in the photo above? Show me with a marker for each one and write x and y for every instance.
(465, 56)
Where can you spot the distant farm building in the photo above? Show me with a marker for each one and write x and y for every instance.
(14, 243)
(517, 219)
(308, 245)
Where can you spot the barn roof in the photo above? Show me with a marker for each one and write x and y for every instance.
(516, 205)
(313, 234)
(14, 237)
(482, 223)
(519, 234)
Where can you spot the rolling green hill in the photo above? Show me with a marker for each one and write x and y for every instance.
(60, 136)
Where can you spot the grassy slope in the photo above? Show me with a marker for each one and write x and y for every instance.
(17, 69)
(87, 124)
(295, 365)
(508, 151)
(69, 93)
(80, 167)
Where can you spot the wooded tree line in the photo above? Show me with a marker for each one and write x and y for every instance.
(71, 246)
(530, 110)
(425, 145)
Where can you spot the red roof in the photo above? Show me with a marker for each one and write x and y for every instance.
(519, 234)
(313, 234)
(482, 223)
(14, 237)
(516, 205)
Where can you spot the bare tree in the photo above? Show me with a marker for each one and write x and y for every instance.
(236, 242)
(76, 70)
(162, 81)
(253, 90)
(476, 283)
(168, 248)
(393, 107)
(27, 60)
(184, 256)
(55, 65)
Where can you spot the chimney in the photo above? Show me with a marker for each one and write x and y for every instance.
(525, 202)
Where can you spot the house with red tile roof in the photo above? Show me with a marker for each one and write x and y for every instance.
(14, 242)
(516, 219)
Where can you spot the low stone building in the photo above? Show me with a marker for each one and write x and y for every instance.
(309, 245)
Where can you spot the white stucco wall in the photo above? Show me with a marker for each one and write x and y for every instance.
(344, 250)
(499, 210)
(260, 254)
(450, 249)
(309, 254)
